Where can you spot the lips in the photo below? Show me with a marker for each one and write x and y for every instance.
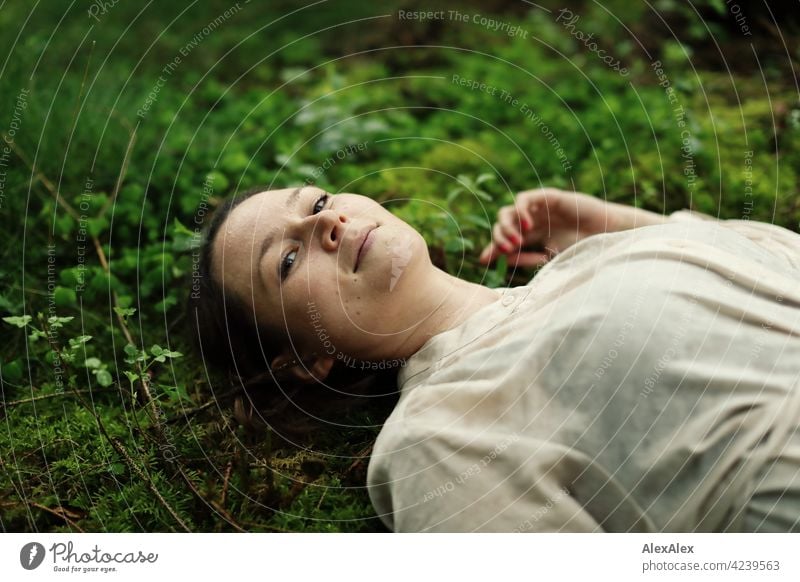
(360, 245)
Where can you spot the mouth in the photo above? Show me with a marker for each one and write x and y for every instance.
(364, 242)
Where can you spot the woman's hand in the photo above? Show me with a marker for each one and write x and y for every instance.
(550, 220)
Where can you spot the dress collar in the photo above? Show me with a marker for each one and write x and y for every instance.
(430, 356)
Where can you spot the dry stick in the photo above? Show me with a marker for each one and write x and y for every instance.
(213, 503)
(187, 412)
(146, 478)
(45, 396)
(41, 178)
(57, 514)
(228, 470)
(359, 459)
(118, 445)
(123, 171)
(144, 390)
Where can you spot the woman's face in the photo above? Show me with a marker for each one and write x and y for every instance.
(333, 274)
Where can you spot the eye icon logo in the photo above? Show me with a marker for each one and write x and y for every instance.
(31, 555)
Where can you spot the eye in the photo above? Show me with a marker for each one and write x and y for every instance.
(289, 258)
(319, 205)
(286, 263)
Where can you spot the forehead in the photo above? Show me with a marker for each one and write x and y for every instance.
(236, 244)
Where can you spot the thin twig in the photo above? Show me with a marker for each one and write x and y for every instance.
(118, 446)
(213, 503)
(57, 514)
(56, 395)
(226, 482)
(359, 459)
(122, 172)
(144, 390)
(186, 412)
(41, 177)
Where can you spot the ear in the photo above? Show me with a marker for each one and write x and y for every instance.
(316, 369)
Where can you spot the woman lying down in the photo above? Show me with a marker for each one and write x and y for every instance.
(647, 379)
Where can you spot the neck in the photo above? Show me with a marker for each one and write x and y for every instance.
(448, 302)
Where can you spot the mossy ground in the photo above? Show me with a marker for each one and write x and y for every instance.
(126, 142)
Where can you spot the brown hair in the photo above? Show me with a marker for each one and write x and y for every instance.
(226, 335)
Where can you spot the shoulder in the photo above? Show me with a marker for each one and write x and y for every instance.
(428, 477)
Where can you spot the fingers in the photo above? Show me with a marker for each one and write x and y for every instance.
(505, 242)
(515, 258)
(513, 225)
(489, 254)
(528, 259)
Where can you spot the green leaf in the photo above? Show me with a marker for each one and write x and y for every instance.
(125, 312)
(156, 350)
(58, 322)
(18, 320)
(164, 305)
(482, 195)
(131, 350)
(97, 226)
(133, 377)
(175, 393)
(77, 342)
(64, 297)
(453, 194)
(104, 378)
(35, 335)
(12, 371)
(479, 221)
(179, 228)
(92, 363)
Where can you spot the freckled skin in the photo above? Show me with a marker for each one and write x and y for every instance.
(386, 308)
(322, 272)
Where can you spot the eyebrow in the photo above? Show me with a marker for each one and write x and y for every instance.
(291, 203)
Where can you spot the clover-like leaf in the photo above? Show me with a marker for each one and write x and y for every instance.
(18, 320)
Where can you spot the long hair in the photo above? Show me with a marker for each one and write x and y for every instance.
(225, 334)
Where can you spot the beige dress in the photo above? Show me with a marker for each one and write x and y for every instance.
(644, 380)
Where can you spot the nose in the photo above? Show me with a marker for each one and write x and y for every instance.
(329, 226)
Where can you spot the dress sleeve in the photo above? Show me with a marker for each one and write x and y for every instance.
(686, 215)
(780, 242)
(456, 481)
